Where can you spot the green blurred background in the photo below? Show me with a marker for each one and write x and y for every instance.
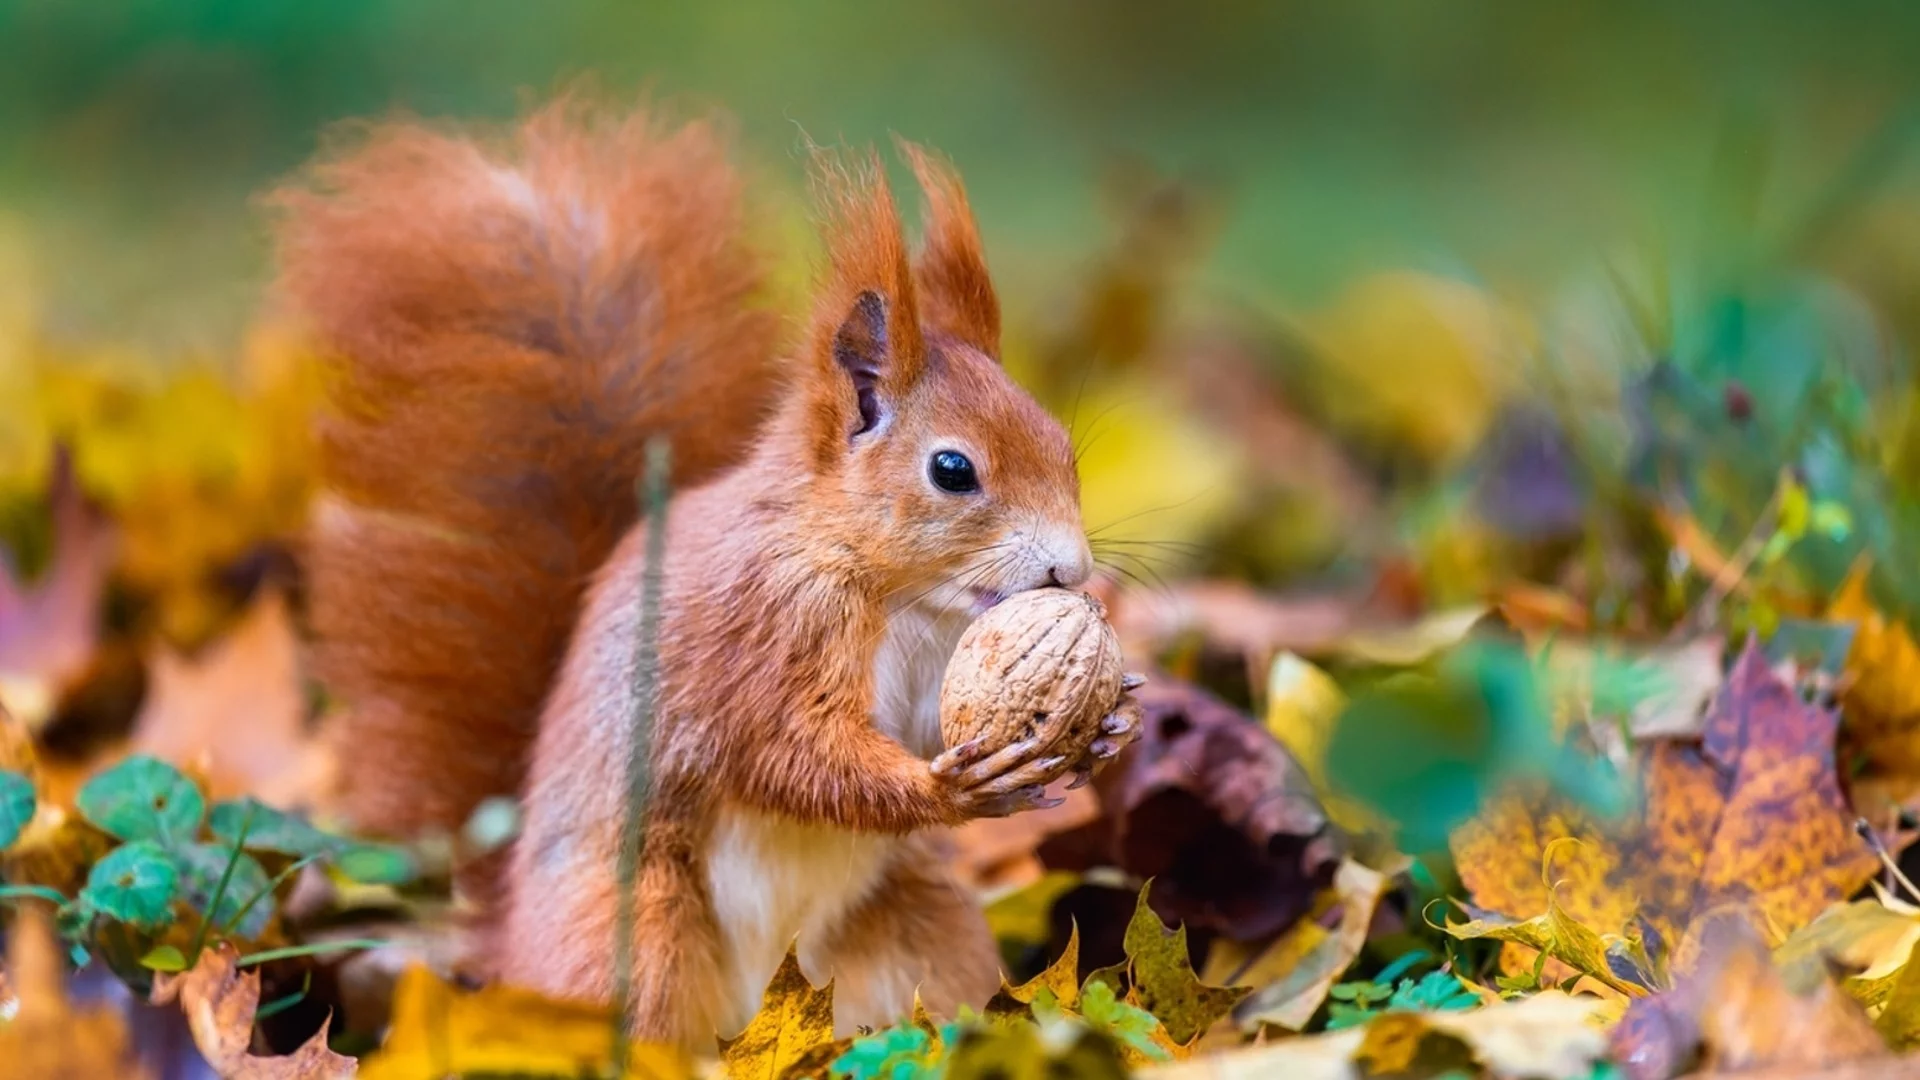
(1514, 138)
(1302, 262)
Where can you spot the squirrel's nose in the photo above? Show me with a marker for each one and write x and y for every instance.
(1071, 570)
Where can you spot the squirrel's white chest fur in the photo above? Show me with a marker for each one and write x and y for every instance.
(772, 879)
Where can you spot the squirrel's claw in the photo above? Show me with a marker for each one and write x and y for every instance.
(1132, 681)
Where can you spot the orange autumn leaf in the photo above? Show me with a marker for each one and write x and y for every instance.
(1750, 816)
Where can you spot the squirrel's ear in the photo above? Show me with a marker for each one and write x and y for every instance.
(951, 272)
(860, 348)
(866, 333)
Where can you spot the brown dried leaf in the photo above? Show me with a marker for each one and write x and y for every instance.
(1750, 816)
(1210, 806)
(219, 1001)
(1292, 976)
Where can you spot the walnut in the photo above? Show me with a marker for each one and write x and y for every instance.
(1042, 663)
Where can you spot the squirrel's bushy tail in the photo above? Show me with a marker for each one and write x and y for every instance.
(510, 320)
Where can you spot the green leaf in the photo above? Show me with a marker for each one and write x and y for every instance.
(902, 1052)
(144, 798)
(202, 866)
(1121, 1021)
(135, 884)
(374, 864)
(16, 805)
(164, 958)
(269, 829)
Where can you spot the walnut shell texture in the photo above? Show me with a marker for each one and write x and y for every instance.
(1040, 663)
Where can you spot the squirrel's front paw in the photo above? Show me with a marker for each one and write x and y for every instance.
(1118, 729)
(982, 782)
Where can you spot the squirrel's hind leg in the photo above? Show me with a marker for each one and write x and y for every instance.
(557, 936)
(918, 929)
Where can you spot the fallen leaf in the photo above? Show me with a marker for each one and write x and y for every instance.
(438, 1031)
(1881, 701)
(48, 630)
(237, 712)
(1231, 616)
(219, 1001)
(1215, 811)
(1736, 1013)
(795, 1016)
(1626, 695)
(48, 1039)
(1865, 939)
(1291, 977)
(1547, 1036)
(1750, 816)
(1899, 1022)
(1303, 706)
(1161, 980)
(1557, 934)
(1022, 1052)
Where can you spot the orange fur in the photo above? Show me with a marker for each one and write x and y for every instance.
(508, 355)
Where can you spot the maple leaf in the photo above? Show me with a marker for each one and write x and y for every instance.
(1555, 933)
(439, 1030)
(220, 1001)
(1160, 979)
(1750, 815)
(795, 1017)
(48, 1039)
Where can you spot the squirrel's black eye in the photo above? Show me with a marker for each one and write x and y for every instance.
(951, 471)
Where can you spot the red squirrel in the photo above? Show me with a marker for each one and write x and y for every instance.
(511, 319)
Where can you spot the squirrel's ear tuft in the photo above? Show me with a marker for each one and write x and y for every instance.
(866, 331)
(951, 271)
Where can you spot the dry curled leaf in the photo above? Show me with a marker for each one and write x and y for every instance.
(1210, 806)
(1750, 816)
(1293, 974)
(219, 1001)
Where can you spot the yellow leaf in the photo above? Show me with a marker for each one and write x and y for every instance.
(1865, 938)
(1294, 974)
(1899, 1022)
(1062, 977)
(438, 1030)
(1303, 706)
(794, 1017)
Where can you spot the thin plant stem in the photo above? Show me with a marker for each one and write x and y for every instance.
(313, 949)
(646, 699)
(220, 890)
